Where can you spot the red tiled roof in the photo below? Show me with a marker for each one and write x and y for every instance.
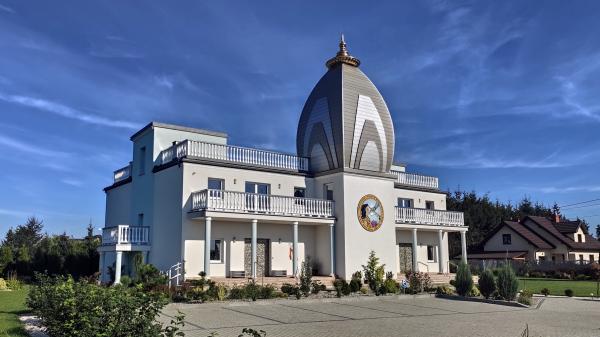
(528, 235)
(552, 227)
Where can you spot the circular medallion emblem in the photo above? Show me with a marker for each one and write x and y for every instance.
(370, 212)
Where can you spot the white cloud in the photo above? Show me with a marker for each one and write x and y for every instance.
(72, 182)
(7, 9)
(67, 112)
(30, 148)
(554, 189)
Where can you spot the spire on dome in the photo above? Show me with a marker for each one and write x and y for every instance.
(343, 56)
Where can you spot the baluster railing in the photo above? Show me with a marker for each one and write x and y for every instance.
(417, 180)
(125, 234)
(429, 217)
(230, 201)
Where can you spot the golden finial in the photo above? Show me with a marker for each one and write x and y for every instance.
(342, 56)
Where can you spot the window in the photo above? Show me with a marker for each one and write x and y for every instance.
(591, 258)
(579, 239)
(258, 188)
(299, 192)
(405, 203)
(581, 258)
(430, 253)
(142, 161)
(216, 184)
(429, 205)
(216, 251)
(328, 191)
(141, 219)
(506, 239)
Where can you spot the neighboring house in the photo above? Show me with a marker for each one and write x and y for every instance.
(229, 211)
(539, 239)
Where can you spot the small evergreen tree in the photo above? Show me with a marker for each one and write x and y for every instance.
(508, 284)
(306, 276)
(464, 280)
(487, 283)
(374, 273)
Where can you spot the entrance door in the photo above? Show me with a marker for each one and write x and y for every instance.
(262, 257)
(405, 257)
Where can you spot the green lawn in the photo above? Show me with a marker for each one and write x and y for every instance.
(557, 287)
(12, 303)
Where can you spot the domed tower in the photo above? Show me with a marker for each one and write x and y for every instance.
(345, 124)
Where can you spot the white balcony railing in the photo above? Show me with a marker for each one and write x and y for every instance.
(429, 217)
(122, 173)
(125, 234)
(240, 202)
(234, 154)
(417, 180)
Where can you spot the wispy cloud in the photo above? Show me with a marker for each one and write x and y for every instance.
(67, 112)
(6, 9)
(13, 212)
(30, 148)
(72, 182)
(568, 189)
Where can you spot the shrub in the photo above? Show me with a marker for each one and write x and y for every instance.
(150, 277)
(341, 287)
(487, 283)
(569, 292)
(3, 285)
(306, 276)
(444, 290)
(237, 293)
(525, 297)
(464, 280)
(545, 291)
(418, 282)
(364, 290)
(374, 273)
(266, 292)
(126, 281)
(390, 286)
(252, 290)
(221, 292)
(69, 308)
(317, 287)
(13, 282)
(356, 282)
(288, 289)
(474, 292)
(507, 283)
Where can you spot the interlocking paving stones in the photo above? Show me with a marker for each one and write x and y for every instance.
(391, 316)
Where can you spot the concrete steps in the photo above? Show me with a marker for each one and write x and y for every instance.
(274, 281)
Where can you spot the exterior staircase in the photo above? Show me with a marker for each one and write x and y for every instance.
(274, 281)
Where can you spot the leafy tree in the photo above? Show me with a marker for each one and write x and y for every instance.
(464, 280)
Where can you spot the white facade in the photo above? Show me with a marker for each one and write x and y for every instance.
(265, 212)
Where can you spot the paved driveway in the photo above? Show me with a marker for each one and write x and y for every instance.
(391, 316)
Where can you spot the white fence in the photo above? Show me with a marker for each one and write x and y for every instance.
(240, 202)
(234, 154)
(429, 217)
(125, 234)
(417, 180)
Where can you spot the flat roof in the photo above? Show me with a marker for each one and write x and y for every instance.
(152, 125)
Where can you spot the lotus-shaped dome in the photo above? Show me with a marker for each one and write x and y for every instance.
(345, 123)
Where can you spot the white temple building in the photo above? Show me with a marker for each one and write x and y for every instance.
(190, 199)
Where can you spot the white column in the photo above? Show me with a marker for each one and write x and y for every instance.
(253, 246)
(441, 251)
(101, 267)
(295, 250)
(414, 250)
(207, 229)
(332, 248)
(118, 262)
(145, 257)
(463, 243)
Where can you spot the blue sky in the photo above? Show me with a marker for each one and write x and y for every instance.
(496, 96)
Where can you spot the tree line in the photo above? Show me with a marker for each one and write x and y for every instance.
(26, 249)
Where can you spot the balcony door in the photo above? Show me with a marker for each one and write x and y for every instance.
(259, 201)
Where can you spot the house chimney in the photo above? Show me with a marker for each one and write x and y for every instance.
(556, 217)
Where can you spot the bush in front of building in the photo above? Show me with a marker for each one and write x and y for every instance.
(569, 292)
(525, 297)
(341, 287)
(545, 291)
(444, 290)
(83, 308)
(507, 283)
(487, 283)
(464, 280)
(374, 273)
(356, 282)
(390, 286)
(418, 282)
(317, 287)
(306, 276)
